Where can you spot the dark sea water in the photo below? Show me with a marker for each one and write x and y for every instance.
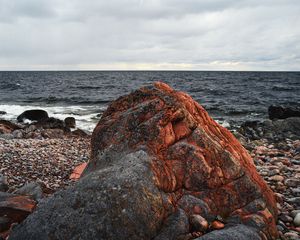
(230, 97)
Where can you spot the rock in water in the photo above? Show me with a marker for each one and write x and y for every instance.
(33, 115)
(158, 159)
(70, 122)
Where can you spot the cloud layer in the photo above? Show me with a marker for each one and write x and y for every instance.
(150, 34)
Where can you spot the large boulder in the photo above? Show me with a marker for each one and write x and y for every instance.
(160, 168)
(33, 115)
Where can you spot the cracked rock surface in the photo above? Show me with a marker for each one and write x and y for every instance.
(160, 168)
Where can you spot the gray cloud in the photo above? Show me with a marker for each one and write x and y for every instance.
(150, 34)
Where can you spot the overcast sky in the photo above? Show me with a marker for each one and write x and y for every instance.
(150, 34)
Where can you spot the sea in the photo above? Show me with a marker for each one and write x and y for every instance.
(230, 97)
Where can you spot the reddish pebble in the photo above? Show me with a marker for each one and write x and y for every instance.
(217, 225)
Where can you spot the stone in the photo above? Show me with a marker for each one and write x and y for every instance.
(70, 122)
(7, 127)
(198, 223)
(33, 115)
(33, 189)
(15, 207)
(3, 183)
(292, 182)
(276, 178)
(217, 225)
(77, 172)
(297, 220)
(151, 149)
(18, 134)
(2, 112)
(280, 112)
(52, 133)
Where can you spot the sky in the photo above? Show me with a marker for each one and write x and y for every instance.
(251, 35)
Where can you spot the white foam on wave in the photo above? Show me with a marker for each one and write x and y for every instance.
(85, 116)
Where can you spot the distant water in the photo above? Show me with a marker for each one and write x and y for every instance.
(229, 97)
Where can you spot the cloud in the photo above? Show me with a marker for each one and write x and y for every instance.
(150, 34)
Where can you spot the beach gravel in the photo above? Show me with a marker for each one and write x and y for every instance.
(47, 161)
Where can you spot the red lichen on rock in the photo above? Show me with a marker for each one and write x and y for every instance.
(192, 154)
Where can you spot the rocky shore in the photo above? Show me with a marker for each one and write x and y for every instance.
(48, 153)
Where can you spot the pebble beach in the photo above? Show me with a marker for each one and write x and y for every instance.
(47, 161)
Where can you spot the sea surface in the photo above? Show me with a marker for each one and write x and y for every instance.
(230, 97)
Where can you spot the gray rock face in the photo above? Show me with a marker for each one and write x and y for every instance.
(115, 202)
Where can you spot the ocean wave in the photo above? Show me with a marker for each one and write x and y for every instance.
(65, 100)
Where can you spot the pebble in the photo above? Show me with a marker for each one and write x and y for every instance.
(277, 178)
(297, 220)
(217, 225)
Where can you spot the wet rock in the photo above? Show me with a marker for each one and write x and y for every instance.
(280, 112)
(70, 122)
(2, 112)
(33, 115)
(149, 150)
(3, 183)
(33, 189)
(291, 235)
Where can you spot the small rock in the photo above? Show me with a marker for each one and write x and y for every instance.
(291, 235)
(297, 220)
(292, 182)
(70, 122)
(198, 223)
(217, 225)
(277, 178)
(285, 218)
